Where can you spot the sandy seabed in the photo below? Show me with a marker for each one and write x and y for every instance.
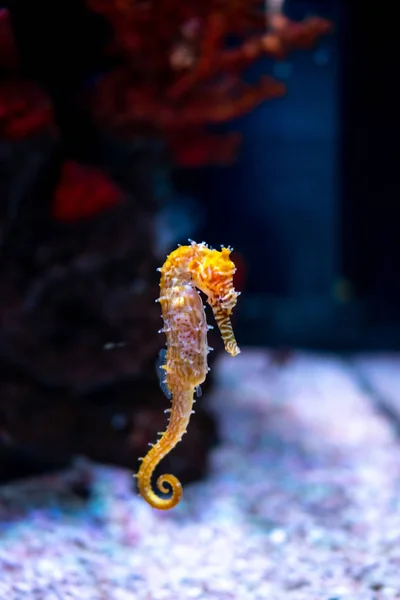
(302, 502)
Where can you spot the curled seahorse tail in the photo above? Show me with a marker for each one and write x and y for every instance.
(165, 483)
(180, 414)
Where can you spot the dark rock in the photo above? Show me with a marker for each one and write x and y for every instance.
(78, 329)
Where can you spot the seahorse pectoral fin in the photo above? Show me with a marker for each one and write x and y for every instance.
(160, 370)
(223, 320)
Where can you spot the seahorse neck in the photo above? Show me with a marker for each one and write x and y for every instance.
(178, 270)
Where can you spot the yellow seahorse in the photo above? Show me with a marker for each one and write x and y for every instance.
(185, 269)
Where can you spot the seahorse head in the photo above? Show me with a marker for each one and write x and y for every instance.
(214, 277)
(212, 273)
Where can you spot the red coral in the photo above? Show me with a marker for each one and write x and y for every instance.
(178, 74)
(24, 110)
(83, 192)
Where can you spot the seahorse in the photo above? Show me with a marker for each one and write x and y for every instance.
(187, 271)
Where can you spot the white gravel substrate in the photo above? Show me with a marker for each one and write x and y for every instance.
(302, 502)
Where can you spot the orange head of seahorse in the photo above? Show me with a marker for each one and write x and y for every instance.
(213, 275)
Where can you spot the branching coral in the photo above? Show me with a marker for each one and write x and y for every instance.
(181, 68)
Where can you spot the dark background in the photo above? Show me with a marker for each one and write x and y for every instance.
(312, 202)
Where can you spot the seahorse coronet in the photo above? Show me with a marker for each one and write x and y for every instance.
(187, 271)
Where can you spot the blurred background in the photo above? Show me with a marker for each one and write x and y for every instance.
(124, 131)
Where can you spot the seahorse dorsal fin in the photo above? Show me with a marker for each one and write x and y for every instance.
(160, 370)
